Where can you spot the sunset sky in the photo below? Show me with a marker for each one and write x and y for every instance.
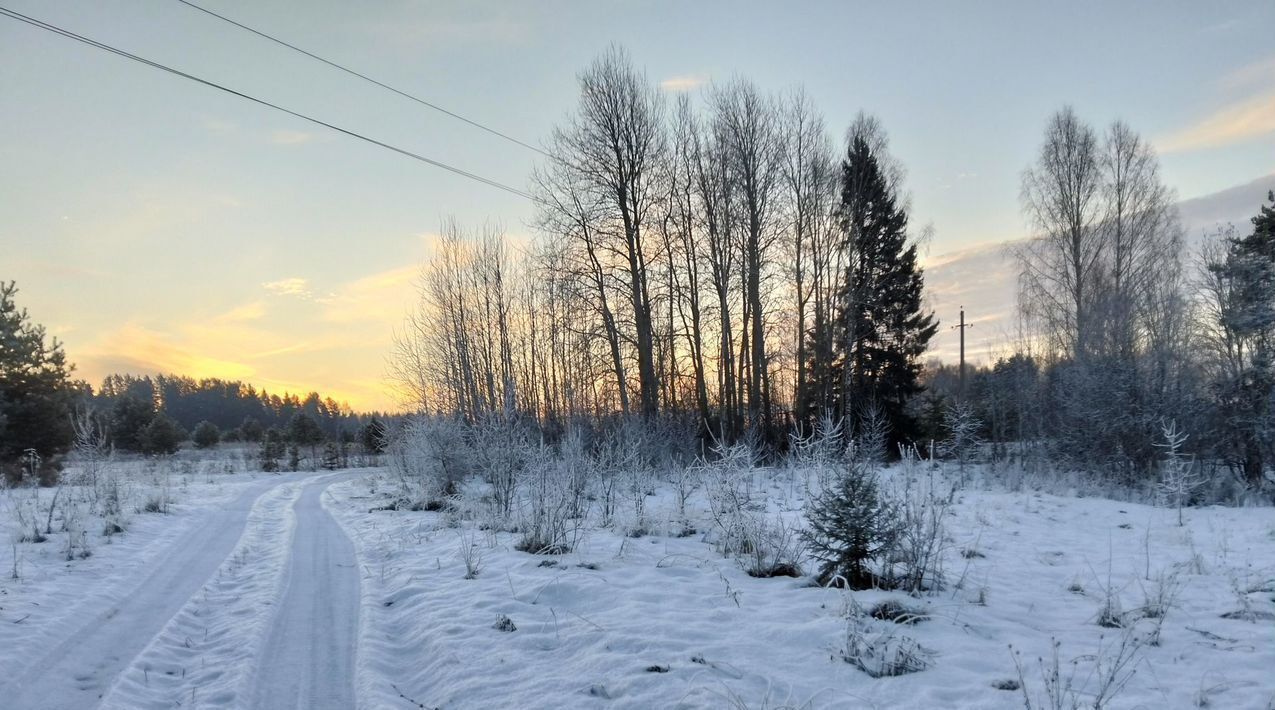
(156, 225)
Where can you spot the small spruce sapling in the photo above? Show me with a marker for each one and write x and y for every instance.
(1178, 478)
(850, 525)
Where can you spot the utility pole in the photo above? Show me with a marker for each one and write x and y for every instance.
(962, 326)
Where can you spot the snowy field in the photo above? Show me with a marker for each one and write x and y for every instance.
(251, 590)
(664, 620)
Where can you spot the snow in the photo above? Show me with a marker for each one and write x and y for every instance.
(180, 610)
(298, 590)
(665, 621)
(309, 654)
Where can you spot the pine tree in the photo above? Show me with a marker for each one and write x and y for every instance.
(271, 450)
(251, 429)
(36, 392)
(130, 415)
(372, 436)
(303, 430)
(206, 435)
(162, 436)
(880, 330)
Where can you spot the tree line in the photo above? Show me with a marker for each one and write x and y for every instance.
(716, 260)
(153, 415)
(44, 411)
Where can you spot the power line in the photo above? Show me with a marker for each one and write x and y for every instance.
(364, 77)
(163, 67)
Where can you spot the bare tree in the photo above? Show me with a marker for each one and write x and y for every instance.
(1061, 266)
(809, 178)
(1140, 235)
(605, 177)
(748, 125)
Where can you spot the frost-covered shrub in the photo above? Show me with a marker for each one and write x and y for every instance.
(770, 547)
(920, 506)
(962, 440)
(501, 450)
(618, 451)
(1108, 671)
(577, 467)
(728, 488)
(429, 457)
(548, 521)
(1178, 478)
(878, 653)
(822, 451)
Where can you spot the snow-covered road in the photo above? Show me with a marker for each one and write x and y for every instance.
(308, 661)
(254, 604)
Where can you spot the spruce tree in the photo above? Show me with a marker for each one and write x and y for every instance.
(850, 526)
(36, 392)
(1247, 397)
(880, 329)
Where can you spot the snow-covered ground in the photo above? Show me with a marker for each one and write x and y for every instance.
(195, 607)
(301, 591)
(664, 620)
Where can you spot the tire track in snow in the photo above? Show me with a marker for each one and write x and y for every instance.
(308, 658)
(76, 657)
(204, 656)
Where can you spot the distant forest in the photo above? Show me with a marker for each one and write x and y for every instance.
(239, 411)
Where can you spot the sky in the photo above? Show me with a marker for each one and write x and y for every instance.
(156, 225)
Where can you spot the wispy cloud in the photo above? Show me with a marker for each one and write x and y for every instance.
(365, 299)
(137, 349)
(239, 314)
(428, 30)
(684, 82)
(292, 286)
(295, 137)
(1234, 123)
(1258, 74)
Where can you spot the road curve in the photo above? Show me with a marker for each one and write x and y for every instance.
(74, 671)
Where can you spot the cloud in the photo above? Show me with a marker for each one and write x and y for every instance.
(1235, 123)
(426, 30)
(684, 82)
(292, 286)
(295, 137)
(218, 126)
(366, 299)
(1258, 74)
(294, 335)
(247, 312)
(137, 349)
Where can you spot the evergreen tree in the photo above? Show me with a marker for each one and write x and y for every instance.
(332, 459)
(162, 436)
(850, 526)
(206, 435)
(303, 430)
(880, 330)
(36, 392)
(271, 450)
(130, 416)
(251, 429)
(372, 436)
(1247, 395)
